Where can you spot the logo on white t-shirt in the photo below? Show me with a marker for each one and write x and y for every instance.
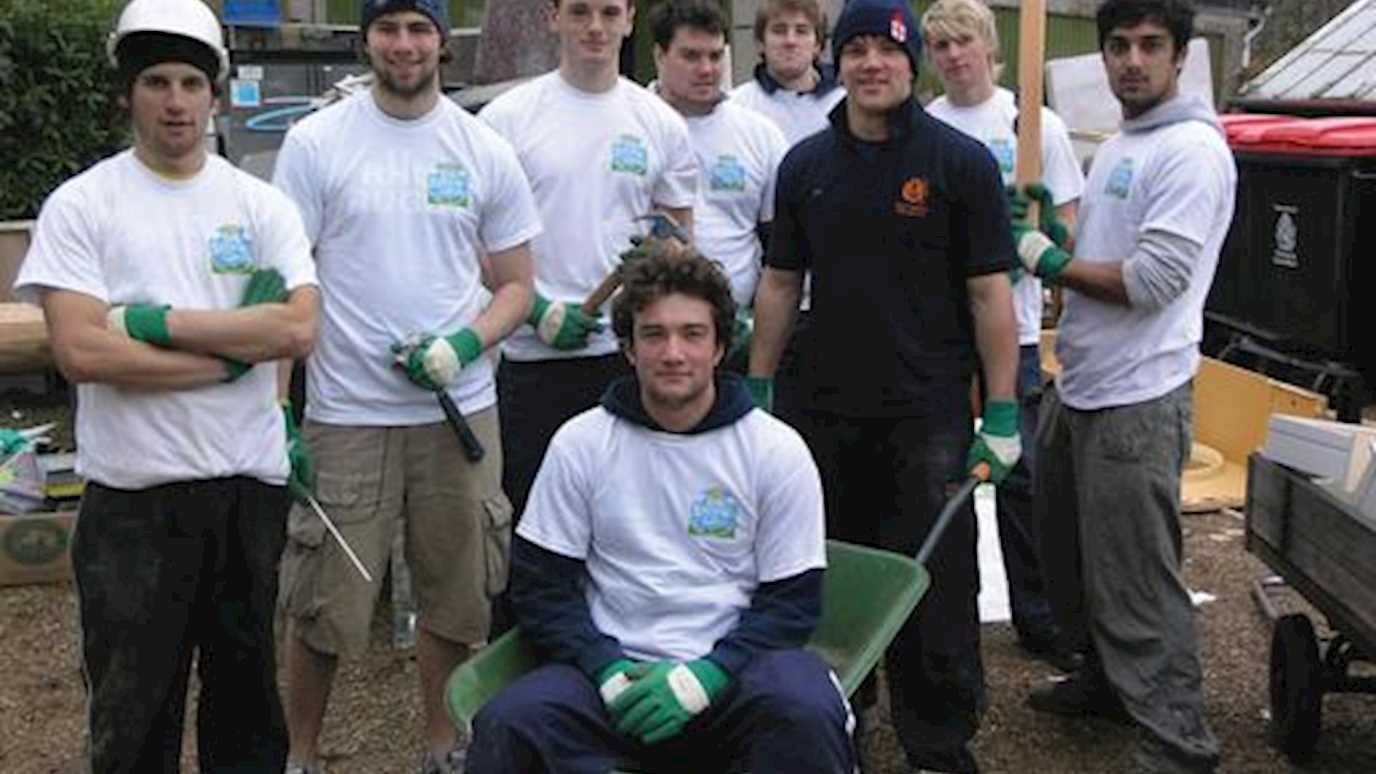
(1120, 179)
(716, 513)
(1003, 154)
(630, 155)
(728, 174)
(231, 250)
(447, 186)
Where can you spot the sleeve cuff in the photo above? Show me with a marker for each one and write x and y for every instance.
(592, 662)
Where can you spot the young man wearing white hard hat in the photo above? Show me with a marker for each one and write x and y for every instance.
(166, 327)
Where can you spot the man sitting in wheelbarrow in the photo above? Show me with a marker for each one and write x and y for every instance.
(669, 564)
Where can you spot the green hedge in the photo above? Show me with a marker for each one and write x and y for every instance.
(58, 114)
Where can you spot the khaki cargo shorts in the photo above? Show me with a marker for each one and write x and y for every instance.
(375, 480)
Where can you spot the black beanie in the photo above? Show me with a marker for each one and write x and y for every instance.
(433, 9)
(139, 51)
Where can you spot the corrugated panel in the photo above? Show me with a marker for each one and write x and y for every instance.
(1337, 62)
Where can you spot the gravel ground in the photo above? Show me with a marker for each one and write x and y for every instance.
(371, 725)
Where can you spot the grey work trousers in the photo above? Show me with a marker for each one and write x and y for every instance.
(1107, 504)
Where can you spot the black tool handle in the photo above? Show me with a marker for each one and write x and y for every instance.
(472, 448)
(947, 513)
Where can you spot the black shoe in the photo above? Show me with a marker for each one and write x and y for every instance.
(1047, 650)
(1079, 696)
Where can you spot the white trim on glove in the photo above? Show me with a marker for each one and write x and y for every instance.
(550, 323)
(441, 362)
(1031, 247)
(688, 692)
(1008, 448)
(614, 687)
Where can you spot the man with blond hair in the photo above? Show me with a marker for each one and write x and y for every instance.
(962, 42)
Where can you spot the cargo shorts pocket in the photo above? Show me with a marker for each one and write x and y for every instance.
(497, 513)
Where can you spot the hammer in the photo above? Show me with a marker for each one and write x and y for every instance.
(472, 447)
(662, 226)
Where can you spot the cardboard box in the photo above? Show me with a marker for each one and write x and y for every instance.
(36, 547)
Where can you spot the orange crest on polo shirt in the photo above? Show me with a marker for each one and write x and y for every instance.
(912, 201)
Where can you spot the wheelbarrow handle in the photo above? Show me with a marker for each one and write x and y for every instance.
(948, 512)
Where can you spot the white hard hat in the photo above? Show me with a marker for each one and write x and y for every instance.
(187, 18)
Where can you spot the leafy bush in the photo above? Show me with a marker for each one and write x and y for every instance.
(58, 113)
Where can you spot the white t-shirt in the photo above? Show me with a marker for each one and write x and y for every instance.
(400, 213)
(991, 122)
(738, 152)
(797, 114)
(596, 163)
(676, 531)
(124, 235)
(1178, 179)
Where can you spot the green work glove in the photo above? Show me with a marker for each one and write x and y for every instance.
(301, 479)
(1038, 253)
(742, 332)
(658, 706)
(434, 362)
(265, 286)
(761, 392)
(616, 677)
(12, 441)
(1020, 201)
(997, 443)
(561, 325)
(141, 322)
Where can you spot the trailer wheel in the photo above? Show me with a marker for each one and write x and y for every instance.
(1296, 687)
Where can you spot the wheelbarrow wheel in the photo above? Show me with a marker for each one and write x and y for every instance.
(1296, 687)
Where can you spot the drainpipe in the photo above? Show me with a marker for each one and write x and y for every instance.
(1251, 35)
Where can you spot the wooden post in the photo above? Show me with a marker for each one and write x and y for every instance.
(1031, 67)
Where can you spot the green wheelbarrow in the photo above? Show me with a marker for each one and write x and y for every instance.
(867, 596)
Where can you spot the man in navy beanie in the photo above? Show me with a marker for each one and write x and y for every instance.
(897, 216)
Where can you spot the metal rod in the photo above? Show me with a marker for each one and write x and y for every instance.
(353, 557)
(947, 513)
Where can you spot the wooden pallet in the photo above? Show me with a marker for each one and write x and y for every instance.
(24, 346)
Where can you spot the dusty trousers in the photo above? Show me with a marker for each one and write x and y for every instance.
(163, 574)
(885, 480)
(1107, 505)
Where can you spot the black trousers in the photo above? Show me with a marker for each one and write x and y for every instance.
(884, 481)
(535, 398)
(165, 573)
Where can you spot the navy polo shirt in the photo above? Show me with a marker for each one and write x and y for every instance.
(890, 232)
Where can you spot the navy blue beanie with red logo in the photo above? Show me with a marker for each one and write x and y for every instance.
(892, 19)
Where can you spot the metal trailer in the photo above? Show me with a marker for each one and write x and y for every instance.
(1323, 549)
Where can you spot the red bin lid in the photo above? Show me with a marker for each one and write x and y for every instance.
(1234, 124)
(1340, 136)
